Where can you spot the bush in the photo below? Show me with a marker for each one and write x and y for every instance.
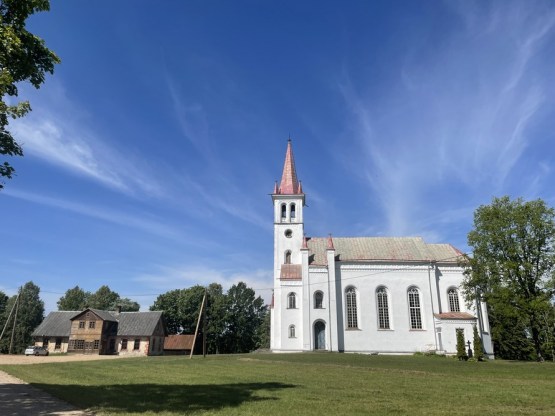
(461, 350)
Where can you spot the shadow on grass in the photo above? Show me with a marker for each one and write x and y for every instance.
(179, 399)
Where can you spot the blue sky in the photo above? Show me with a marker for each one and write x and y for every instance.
(150, 153)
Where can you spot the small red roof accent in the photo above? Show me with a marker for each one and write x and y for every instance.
(291, 272)
(330, 243)
(454, 315)
(305, 244)
(275, 188)
(289, 184)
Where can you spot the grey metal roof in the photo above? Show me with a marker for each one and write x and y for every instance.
(390, 249)
(138, 323)
(56, 324)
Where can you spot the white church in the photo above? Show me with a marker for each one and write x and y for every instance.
(385, 295)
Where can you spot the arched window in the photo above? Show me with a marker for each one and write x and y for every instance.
(414, 308)
(291, 301)
(318, 300)
(453, 296)
(351, 302)
(291, 331)
(283, 211)
(288, 257)
(383, 308)
(293, 213)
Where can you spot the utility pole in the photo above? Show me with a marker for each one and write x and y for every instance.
(198, 323)
(9, 317)
(14, 320)
(204, 326)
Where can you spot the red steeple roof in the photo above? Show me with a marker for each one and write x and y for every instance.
(289, 184)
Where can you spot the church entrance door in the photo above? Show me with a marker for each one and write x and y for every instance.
(319, 336)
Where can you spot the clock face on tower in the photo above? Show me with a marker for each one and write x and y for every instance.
(288, 233)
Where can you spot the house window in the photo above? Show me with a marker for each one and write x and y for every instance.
(414, 308)
(351, 302)
(58, 344)
(383, 308)
(293, 213)
(92, 324)
(318, 300)
(288, 257)
(79, 344)
(291, 331)
(81, 324)
(283, 211)
(96, 344)
(136, 344)
(45, 342)
(453, 296)
(291, 301)
(124, 344)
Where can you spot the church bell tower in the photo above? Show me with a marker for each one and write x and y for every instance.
(289, 201)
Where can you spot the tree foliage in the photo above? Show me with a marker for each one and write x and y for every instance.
(477, 344)
(30, 313)
(77, 299)
(232, 319)
(461, 347)
(23, 57)
(512, 267)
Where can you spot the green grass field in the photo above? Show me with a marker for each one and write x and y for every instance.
(291, 384)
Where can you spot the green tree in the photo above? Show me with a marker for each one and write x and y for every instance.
(30, 313)
(215, 319)
(461, 348)
(104, 298)
(244, 316)
(512, 265)
(264, 331)
(477, 344)
(169, 304)
(23, 57)
(75, 299)
(126, 305)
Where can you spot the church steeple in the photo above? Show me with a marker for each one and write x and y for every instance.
(289, 183)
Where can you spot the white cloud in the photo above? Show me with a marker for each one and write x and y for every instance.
(459, 118)
(57, 132)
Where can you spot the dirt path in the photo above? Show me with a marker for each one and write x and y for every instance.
(18, 398)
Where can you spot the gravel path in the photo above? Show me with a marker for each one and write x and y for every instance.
(18, 398)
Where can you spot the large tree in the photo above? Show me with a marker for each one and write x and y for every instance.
(244, 316)
(513, 262)
(27, 315)
(75, 299)
(23, 57)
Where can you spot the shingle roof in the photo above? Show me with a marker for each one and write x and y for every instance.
(138, 323)
(289, 184)
(56, 324)
(391, 249)
(454, 315)
(291, 272)
(104, 315)
(178, 342)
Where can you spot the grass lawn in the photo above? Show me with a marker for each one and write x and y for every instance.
(290, 384)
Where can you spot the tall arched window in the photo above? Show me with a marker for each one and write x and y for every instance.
(283, 211)
(291, 301)
(453, 296)
(293, 212)
(383, 308)
(414, 308)
(351, 302)
(318, 300)
(291, 331)
(288, 257)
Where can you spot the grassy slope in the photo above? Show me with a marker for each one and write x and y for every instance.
(311, 384)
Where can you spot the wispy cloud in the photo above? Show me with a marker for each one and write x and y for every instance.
(119, 218)
(459, 117)
(56, 132)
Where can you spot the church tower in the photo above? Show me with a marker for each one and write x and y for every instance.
(289, 201)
